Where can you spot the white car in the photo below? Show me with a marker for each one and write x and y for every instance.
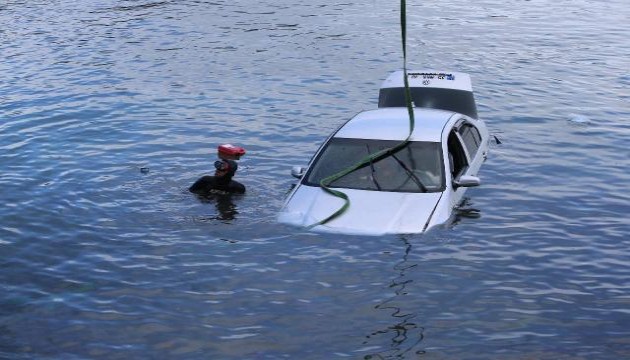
(412, 190)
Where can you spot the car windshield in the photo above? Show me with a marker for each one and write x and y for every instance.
(415, 168)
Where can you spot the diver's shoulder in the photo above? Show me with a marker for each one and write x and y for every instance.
(202, 184)
(236, 187)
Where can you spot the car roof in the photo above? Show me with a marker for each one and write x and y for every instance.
(393, 124)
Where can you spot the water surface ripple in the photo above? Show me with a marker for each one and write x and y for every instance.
(109, 110)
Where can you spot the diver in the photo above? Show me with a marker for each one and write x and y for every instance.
(225, 168)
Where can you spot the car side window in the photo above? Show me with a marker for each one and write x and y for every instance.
(457, 156)
(471, 137)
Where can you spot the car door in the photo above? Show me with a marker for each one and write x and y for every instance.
(459, 163)
(472, 142)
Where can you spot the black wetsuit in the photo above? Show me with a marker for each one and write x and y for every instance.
(208, 185)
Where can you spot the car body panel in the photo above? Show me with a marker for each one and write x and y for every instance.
(405, 211)
(464, 146)
(393, 124)
(429, 78)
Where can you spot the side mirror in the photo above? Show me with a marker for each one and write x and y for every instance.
(297, 172)
(467, 181)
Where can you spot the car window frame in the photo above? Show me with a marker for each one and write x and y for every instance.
(463, 153)
(465, 128)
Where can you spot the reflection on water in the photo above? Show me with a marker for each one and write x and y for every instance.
(405, 334)
(226, 209)
(465, 210)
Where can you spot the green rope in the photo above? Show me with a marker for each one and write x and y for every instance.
(325, 183)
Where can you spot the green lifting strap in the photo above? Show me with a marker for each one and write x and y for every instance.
(325, 183)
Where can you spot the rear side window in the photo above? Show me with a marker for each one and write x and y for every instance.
(471, 137)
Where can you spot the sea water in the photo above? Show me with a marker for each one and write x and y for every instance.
(110, 109)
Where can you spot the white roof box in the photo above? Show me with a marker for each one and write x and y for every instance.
(429, 79)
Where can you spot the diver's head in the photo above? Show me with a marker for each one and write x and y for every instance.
(225, 168)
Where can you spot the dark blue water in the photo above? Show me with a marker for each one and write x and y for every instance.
(109, 110)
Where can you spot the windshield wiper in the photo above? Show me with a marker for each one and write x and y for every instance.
(378, 187)
(411, 174)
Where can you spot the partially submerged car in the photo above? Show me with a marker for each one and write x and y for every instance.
(411, 190)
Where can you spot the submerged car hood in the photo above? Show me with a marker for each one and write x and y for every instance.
(370, 212)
